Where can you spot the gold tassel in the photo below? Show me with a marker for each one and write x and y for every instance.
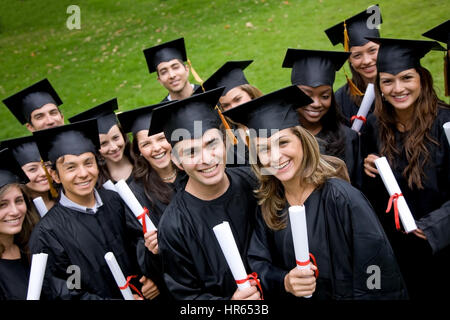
(50, 181)
(346, 39)
(354, 91)
(446, 57)
(227, 126)
(195, 74)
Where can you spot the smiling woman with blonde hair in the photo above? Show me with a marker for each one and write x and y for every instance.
(345, 236)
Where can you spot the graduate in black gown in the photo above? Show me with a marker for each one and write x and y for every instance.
(17, 218)
(362, 61)
(237, 91)
(86, 223)
(168, 61)
(314, 72)
(406, 128)
(194, 265)
(115, 161)
(36, 106)
(344, 234)
(442, 33)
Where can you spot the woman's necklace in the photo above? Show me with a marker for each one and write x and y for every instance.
(171, 177)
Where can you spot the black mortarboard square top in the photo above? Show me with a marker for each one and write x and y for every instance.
(230, 75)
(138, 119)
(165, 52)
(23, 149)
(23, 103)
(440, 33)
(10, 170)
(314, 67)
(397, 55)
(186, 115)
(74, 139)
(357, 29)
(273, 111)
(104, 113)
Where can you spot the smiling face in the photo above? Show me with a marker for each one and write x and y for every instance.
(36, 174)
(173, 75)
(401, 90)
(363, 59)
(47, 116)
(203, 159)
(13, 209)
(112, 144)
(281, 154)
(311, 114)
(155, 149)
(233, 98)
(78, 175)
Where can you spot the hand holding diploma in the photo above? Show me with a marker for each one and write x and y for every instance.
(37, 272)
(396, 197)
(361, 116)
(40, 206)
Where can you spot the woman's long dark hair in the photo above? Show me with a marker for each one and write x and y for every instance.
(417, 139)
(143, 172)
(358, 80)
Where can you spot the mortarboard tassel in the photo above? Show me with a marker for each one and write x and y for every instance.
(195, 74)
(50, 181)
(346, 39)
(354, 91)
(227, 126)
(446, 71)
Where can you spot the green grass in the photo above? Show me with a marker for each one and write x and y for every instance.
(104, 58)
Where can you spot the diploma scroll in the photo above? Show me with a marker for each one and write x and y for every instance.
(230, 251)
(37, 272)
(385, 171)
(40, 206)
(118, 276)
(369, 97)
(130, 199)
(108, 185)
(447, 130)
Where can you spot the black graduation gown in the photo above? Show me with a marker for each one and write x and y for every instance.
(348, 107)
(14, 276)
(166, 99)
(345, 238)
(151, 264)
(194, 265)
(351, 156)
(424, 264)
(70, 237)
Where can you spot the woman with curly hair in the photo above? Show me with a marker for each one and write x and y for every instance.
(406, 128)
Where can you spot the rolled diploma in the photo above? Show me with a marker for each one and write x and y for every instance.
(363, 110)
(447, 130)
(37, 272)
(230, 251)
(118, 275)
(299, 235)
(408, 222)
(108, 185)
(40, 206)
(130, 199)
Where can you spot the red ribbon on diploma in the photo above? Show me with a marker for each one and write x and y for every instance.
(142, 216)
(363, 119)
(252, 276)
(307, 262)
(128, 284)
(394, 199)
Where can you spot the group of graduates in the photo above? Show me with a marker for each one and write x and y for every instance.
(223, 151)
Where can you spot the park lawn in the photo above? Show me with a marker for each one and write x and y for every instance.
(104, 58)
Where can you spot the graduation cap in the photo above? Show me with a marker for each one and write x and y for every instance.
(353, 31)
(230, 75)
(275, 110)
(104, 113)
(23, 103)
(397, 55)
(75, 139)
(314, 67)
(183, 113)
(165, 52)
(138, 119)
(23, 149)
(10, 170)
